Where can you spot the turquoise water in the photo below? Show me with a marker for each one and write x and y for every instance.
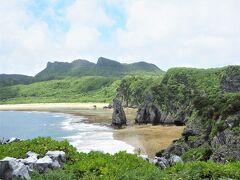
(84, 136)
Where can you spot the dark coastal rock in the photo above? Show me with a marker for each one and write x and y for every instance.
(148, 113)
(118, 117)
(178, 118)
(226, 146)
(108, 107)
(174, 149)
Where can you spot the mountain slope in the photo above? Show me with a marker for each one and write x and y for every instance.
(13, 79)
(103, 67)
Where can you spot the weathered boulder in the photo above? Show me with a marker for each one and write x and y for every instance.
(175, 159)
(173, 149)
(162, 165)
(57, 155)
(118, 116)
(161, 162)
(55, 164)
(44, 164)
(148, 113)
(30, 160)
(11, 168)
(32, 154)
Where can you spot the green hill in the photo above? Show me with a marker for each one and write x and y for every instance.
(13, 79)
(103, 67)
(83, 89)
(78, 81)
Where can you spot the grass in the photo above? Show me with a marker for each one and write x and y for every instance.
(85, 89)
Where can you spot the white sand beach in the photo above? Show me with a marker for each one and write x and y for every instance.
(51, 106)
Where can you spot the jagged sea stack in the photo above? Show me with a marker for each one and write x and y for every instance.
(118, 117)
(148, 113)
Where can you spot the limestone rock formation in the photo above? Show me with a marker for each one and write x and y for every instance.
(148, 113)
(118, 117)
(163, 162)
(231, 79)
(12, 168)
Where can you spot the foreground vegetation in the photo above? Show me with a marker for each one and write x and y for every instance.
(97, 165)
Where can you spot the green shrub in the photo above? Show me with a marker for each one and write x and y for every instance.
(54, 175)
(201, 170)
(97, 165)
(38, 145)
(197, 154)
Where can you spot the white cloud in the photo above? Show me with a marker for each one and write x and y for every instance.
(176, 33)
(172, 33)
(27, 42)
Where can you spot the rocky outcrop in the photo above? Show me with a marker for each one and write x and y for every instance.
(178, 119)
(148, 113)
(57, 155)
(230, 80)
(12, 168)
(218, 141)
(163, 162)
(118, 117)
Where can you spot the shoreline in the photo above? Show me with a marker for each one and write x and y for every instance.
(51, 106)
(149, 139)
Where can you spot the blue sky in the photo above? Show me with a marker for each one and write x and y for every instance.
(38, 9)
(172, 33)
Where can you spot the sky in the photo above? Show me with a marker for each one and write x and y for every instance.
(168, 33)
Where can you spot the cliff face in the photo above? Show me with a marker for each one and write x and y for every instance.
(208, 102)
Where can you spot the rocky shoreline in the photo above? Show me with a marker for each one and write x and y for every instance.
(11, 168)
